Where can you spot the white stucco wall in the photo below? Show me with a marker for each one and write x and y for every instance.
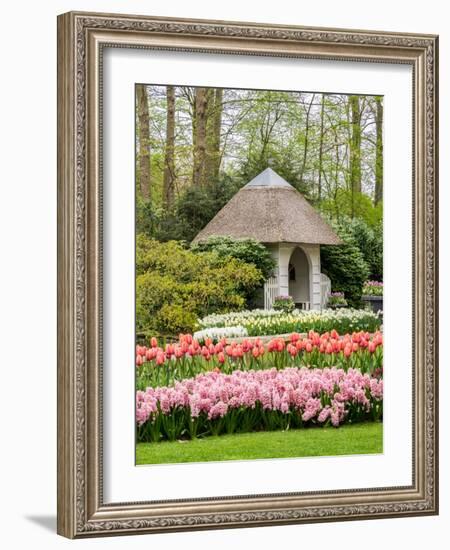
(282, 253)
(313, 252)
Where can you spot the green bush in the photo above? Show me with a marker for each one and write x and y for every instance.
(194, 208)
(175, 286)
(246, 250)
(174, 319)
(370, 242)
(345, 265)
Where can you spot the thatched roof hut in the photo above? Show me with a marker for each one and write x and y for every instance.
(270, 210)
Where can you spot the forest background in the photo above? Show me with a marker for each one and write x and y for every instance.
(196, 147)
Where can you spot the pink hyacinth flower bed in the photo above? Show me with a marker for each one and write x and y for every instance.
(243, 401)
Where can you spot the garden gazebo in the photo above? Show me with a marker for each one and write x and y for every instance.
(271, 211)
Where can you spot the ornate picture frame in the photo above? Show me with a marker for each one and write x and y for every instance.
(82, 37)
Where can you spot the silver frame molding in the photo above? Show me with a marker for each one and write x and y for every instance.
(81, 39)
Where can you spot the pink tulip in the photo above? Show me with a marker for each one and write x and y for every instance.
(292, 350)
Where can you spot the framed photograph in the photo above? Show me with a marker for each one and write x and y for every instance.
(247, 282)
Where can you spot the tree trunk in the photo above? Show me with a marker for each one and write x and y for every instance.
(319, 183)
(144, 142)
(305, 146)
(379, 151)
(199, 127)
(214, 127)
(355, 145)
(169, 160)
(355, 149)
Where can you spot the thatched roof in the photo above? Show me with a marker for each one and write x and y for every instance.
(270, 210)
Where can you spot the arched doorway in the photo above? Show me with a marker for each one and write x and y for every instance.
(299, 279)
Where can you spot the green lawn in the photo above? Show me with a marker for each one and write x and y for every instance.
(364, 438)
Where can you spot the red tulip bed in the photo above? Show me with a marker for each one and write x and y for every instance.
(187, 389)
(158, 366)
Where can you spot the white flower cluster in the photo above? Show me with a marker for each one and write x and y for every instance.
(236, 317)
(216, 333)
(269, 322)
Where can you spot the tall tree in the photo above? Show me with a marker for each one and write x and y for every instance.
(169, 156)
(355, 144)
(379, 150)
(144, 141)
(321, 137)
(273, 111)
(306, 137)
(355, 148)
(214, 128)
(199, 135)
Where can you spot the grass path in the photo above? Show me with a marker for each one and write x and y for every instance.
(364, 438)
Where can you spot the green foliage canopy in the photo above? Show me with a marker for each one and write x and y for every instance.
(345, 204)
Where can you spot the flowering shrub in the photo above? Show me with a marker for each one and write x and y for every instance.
(283, 303)
(373, 288)
(336, 299)
(259, 322)
(217, 333)
(163, 366)
(216, 403)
